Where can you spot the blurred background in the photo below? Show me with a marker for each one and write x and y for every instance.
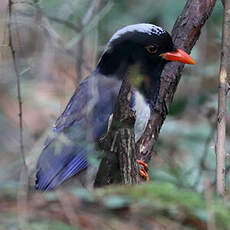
(58, 43)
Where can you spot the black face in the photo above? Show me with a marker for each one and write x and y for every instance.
(137, 49)
(140, 42)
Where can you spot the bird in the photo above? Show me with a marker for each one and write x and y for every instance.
(139, 50)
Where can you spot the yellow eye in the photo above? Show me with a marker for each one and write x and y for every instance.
(151, 49)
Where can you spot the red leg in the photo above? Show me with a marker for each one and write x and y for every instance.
(143, 172)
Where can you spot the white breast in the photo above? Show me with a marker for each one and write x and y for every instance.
(142, 115)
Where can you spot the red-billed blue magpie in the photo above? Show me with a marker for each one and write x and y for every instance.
(138, 51)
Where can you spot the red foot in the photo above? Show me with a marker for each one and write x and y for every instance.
(143, 172)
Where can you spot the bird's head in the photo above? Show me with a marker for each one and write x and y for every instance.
(143, 47)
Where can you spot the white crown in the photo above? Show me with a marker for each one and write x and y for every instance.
(142, 27)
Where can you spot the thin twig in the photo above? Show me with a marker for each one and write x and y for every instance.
(92, 23)
(80, 58)
(222, 102)
(91, 12)
(22, 193)
(202, 165)
(86, 19)
(89, 15)
(61, 21)
(64, 22)
(43, 21)
(18, 84)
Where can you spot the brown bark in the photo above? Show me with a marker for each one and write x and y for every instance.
(185, 33)
(222, 101)
(119, 164)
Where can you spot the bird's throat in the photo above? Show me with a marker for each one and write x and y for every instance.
(145, 77)
(147, 82)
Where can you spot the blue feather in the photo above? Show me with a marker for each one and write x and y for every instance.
(65, 153)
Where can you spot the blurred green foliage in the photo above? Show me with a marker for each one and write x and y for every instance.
(124, 204)
(166, 196)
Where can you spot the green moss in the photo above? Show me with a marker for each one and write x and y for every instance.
(168, 198)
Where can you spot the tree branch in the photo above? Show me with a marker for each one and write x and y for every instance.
(222, 102)
(185, 33)
(93, 8)
(91, 24)
(119, 164)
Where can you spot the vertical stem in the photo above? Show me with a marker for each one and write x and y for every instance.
(18, 84)
(222, 101)
(95, 4)
(80, 59)
(22, 193)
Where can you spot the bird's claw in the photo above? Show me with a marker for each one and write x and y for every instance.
(143, 172)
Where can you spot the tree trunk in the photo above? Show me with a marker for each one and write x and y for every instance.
(119, 164)
(222, 101)
(185, 33)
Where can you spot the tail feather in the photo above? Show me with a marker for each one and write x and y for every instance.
(49, 176)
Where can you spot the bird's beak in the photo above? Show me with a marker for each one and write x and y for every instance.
(178, 56)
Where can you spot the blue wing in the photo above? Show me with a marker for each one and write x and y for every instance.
(84, 120)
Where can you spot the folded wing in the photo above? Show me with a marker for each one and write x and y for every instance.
(72, 139)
